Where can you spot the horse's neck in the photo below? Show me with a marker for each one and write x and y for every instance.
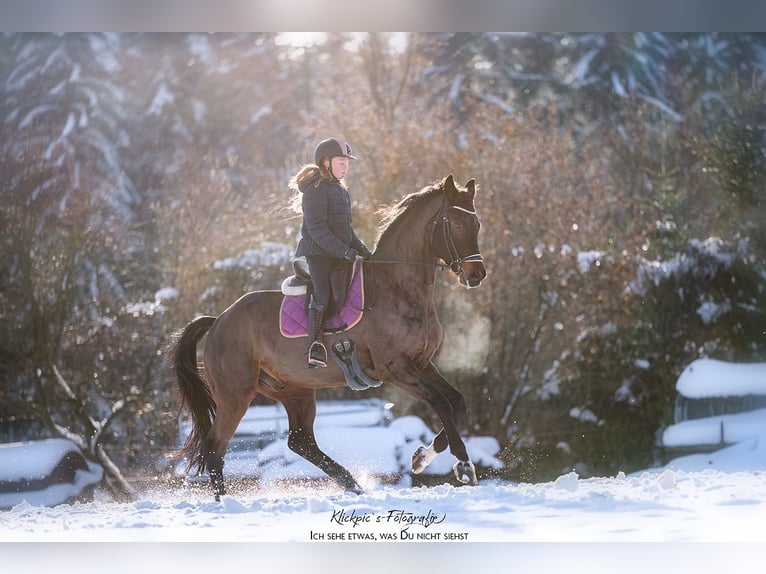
(414, 273)
(410, 239)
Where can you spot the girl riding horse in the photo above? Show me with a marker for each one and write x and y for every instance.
(328, 242)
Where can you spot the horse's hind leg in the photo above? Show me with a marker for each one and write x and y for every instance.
(215, 443)
(301, 411)
(229, 413)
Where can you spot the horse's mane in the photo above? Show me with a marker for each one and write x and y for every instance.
(393, 214)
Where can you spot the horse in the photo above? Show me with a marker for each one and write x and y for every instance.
(245, 355)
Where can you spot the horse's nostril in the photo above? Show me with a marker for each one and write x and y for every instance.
(475, 279)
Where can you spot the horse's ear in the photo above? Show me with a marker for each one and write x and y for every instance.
(449, 184)
(471, 187)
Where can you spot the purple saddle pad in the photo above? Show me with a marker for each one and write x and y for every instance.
(293, 321)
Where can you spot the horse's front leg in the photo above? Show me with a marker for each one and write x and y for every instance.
(423, 455)
(429, 385)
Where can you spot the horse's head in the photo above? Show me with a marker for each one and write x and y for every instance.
(456, 233)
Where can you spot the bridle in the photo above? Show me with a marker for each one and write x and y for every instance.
(441, 223)
(456, 261)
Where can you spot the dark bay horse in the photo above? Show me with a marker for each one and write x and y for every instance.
(245, 354)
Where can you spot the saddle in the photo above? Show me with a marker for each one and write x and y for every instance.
(300, 281)
(293, 319)
(345, 311)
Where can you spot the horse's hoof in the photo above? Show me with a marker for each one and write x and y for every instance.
(355, 489)
(421, 458)
(465, 472)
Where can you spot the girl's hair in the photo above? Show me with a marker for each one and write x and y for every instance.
(306, 173)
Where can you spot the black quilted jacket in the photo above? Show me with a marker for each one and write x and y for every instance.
(326, 228)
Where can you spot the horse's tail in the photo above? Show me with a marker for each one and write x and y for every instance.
(195, 393)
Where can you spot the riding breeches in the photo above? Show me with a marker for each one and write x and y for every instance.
(319, 269)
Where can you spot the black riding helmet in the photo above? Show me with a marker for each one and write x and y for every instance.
(331, 148)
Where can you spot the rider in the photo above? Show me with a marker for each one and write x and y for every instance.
(327, 238)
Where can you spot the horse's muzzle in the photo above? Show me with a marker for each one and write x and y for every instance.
(473, 273)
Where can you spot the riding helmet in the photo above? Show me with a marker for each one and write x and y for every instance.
(330, 148)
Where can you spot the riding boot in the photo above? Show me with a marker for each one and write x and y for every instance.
(317, 350)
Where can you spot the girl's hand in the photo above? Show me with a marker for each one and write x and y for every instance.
(351, 254)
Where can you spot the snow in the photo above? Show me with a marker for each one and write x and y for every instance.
(713, 378)
(33, 461)
(642, 363)
(587, 258)
(617, 86)
(674, 115)
(150, 308)
(581, 68)
(269, 253)
(709, 311)
(199, 46)
(534, 527)
(718, 497)
(162, 98)
(735, 428)
(261, 112)
(585, 415)
(362, 435)
(166, 293)
(702, 259)
(743, 432)
(102, 55)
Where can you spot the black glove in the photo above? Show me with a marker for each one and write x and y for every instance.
(351, 254)
(364, 252)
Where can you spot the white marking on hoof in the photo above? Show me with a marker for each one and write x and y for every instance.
(422, 457)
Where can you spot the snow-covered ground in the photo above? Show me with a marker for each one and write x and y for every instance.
(711, 498)
(668, 504)
(414, 529)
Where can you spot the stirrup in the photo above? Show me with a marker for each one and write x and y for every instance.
(317, 355)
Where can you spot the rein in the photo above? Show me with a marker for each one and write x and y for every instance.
(441, 266)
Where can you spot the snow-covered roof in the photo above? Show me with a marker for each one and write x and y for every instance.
(712, 378)
(28, 473)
